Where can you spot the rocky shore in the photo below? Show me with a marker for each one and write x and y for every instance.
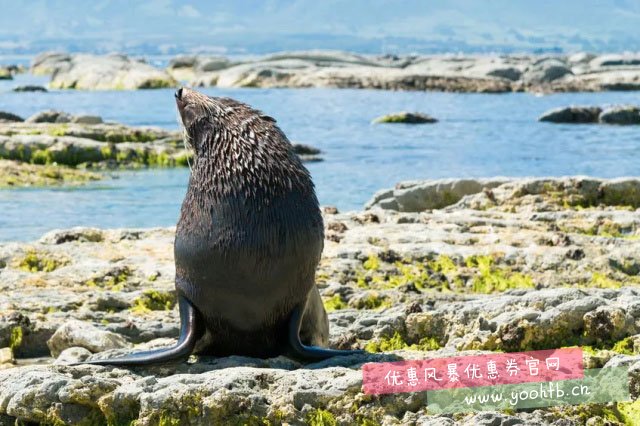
(580, 72)
(429, 269)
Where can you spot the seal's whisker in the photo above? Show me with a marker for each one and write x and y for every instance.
(186, 140)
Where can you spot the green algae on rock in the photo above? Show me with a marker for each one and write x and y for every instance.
(14, 174)
(477, 273)
(154, 300)
(34, 261)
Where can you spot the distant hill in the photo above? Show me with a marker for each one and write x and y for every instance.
(376, 26)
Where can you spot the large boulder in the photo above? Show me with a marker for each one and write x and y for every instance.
(75, 333)
(622, 114)
(49, 116)
(182, 61)
(546, 71)
(572, 114)
(48, 62)
(110, 72)
(211, 63)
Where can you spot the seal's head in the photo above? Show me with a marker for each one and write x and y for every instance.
(237, 147)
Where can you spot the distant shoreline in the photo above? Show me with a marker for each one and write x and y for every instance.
(472, 73)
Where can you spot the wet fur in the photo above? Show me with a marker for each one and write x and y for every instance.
(250, 233)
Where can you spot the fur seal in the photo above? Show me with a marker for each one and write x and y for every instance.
(248, 241)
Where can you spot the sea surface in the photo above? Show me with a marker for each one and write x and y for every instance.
(478, 135)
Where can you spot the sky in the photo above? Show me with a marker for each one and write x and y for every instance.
(370, 26)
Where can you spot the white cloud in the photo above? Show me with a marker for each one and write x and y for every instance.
(189, 11)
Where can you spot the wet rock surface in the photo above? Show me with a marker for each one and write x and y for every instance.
(493, 265)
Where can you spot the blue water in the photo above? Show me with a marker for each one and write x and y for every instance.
(477, 135)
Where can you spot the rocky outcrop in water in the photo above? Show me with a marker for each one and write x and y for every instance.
(110, 72)
(5, 74)
(622, 115)
(498, 265)
(29, 88)
(61, 140)
(54, 147)
(405, 117)
(617, 114)
(454, 73)
(57, 137)
(572, 114)
(15, 174)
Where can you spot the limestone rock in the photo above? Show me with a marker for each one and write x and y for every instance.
(48, 63)
(81, 334)
(110, 72)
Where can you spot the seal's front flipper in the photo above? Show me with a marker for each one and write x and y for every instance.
(191, 329)
(310, 353)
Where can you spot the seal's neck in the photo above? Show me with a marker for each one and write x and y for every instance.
(249, 174)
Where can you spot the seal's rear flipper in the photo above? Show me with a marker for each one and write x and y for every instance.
(191, 329)
(310, 353)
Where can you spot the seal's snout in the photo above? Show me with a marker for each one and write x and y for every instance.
(191, 105)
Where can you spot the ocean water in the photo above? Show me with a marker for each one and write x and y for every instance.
(478, 135)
